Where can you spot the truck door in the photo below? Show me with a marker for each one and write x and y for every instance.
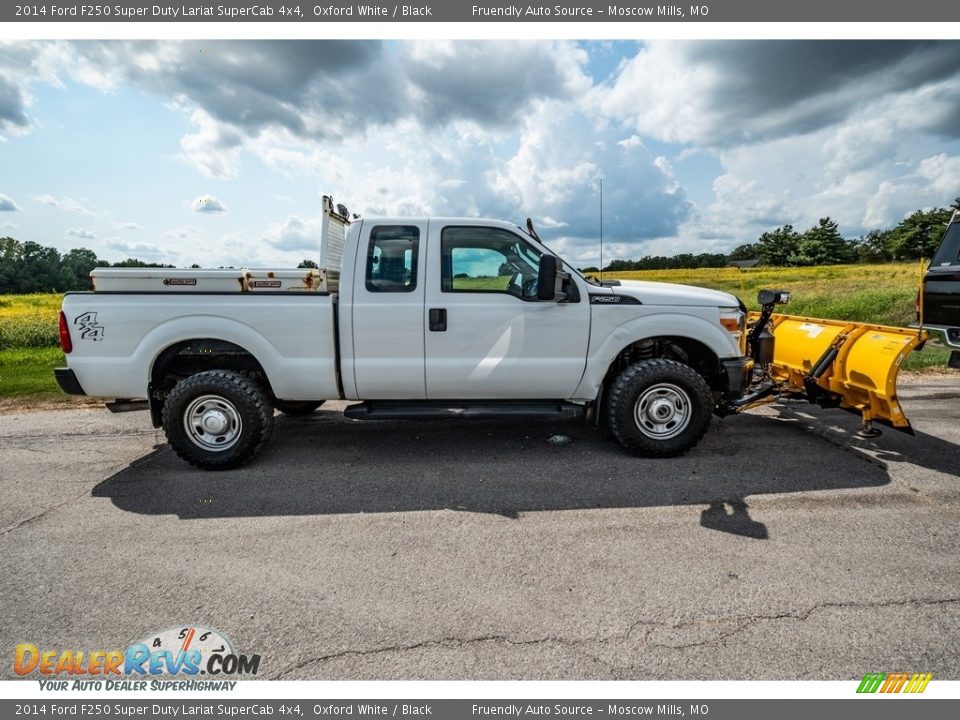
(388, 296)
(486, 335)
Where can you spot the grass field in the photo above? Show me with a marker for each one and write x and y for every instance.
(866, 293)
(28, 372)
(883, 294)
(28, 321)
(29, 348)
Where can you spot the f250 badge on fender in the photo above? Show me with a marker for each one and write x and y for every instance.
(90, 329)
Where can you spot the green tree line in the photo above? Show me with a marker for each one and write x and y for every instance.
(916, 236)
(28, 267)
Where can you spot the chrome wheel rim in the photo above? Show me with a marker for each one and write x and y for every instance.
(662, 411)
(212, 423)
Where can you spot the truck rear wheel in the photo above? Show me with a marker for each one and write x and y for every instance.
(296, 408)
(217, 420)
(659, 408)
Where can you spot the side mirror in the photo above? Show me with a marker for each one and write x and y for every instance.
(547, 278)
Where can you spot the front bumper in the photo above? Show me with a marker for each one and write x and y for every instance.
(67, 380)
(738, 372)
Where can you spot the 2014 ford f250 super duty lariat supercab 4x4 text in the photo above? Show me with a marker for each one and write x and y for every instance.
(416, 318)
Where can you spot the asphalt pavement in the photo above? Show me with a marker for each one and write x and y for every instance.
(782, 547)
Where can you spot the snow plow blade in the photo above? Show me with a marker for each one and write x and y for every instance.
(850, 365)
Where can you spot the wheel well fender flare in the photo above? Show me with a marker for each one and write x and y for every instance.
(662, 325)
(192, 328)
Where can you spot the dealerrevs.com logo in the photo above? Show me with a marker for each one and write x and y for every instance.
(908, 683)
(187, 650)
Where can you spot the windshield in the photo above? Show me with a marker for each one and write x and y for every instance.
(569, 267)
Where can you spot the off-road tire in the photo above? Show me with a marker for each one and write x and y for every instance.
(679, 385)
(297, 408)
(239, 394)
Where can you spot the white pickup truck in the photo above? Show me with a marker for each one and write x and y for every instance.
(417, 318)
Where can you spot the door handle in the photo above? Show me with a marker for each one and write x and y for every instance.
(438, 319)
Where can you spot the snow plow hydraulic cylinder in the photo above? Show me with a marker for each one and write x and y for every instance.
(826, 360)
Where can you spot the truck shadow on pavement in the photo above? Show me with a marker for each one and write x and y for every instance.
(325, 464)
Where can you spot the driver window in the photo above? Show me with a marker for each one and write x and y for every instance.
(490, 260)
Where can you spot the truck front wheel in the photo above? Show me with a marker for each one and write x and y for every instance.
(659, 408)
(217, 420)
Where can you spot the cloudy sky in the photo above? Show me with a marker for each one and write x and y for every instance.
(218, 152)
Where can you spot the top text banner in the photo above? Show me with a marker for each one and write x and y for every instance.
(636, 11)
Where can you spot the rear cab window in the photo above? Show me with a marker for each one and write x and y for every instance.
(392, 258)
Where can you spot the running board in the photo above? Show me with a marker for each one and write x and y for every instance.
(123, 405)
(433, 409)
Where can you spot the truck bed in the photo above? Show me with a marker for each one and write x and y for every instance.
(118, 335)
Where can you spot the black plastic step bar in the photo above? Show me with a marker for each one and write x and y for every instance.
(433, 409)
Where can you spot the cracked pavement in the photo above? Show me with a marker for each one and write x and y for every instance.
(780, 548)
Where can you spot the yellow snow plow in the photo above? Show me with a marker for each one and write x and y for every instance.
(834, 363)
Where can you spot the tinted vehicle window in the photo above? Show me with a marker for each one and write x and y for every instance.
(392, 258)
(949, 251)
(483, 259)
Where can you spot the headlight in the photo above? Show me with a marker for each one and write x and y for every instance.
(734, 321)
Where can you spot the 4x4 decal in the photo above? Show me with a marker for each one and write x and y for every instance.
(90, 329)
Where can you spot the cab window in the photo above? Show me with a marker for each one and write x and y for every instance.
(488, 260)
(392, 258)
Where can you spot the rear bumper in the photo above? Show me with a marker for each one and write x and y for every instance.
(950, 336)
(67, 381)
(737, 372)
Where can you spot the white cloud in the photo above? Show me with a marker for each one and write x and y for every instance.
(66, 204)
(757, 133)
(932, 182)
(143, 251)
(208, 204)
(295, 235)
(237, 93)
(182, 232)
(214, 149)
(7, 204)
(81, 234)
(725, 93)
(942, 173)
(13, 106)
(556, 172)
(865, 173)
(129, 226)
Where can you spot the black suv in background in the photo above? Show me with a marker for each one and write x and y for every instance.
(941, 291)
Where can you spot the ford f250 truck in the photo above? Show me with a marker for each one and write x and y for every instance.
(454, 318)
(416, 318)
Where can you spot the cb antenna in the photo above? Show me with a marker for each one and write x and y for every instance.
(601, 230)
